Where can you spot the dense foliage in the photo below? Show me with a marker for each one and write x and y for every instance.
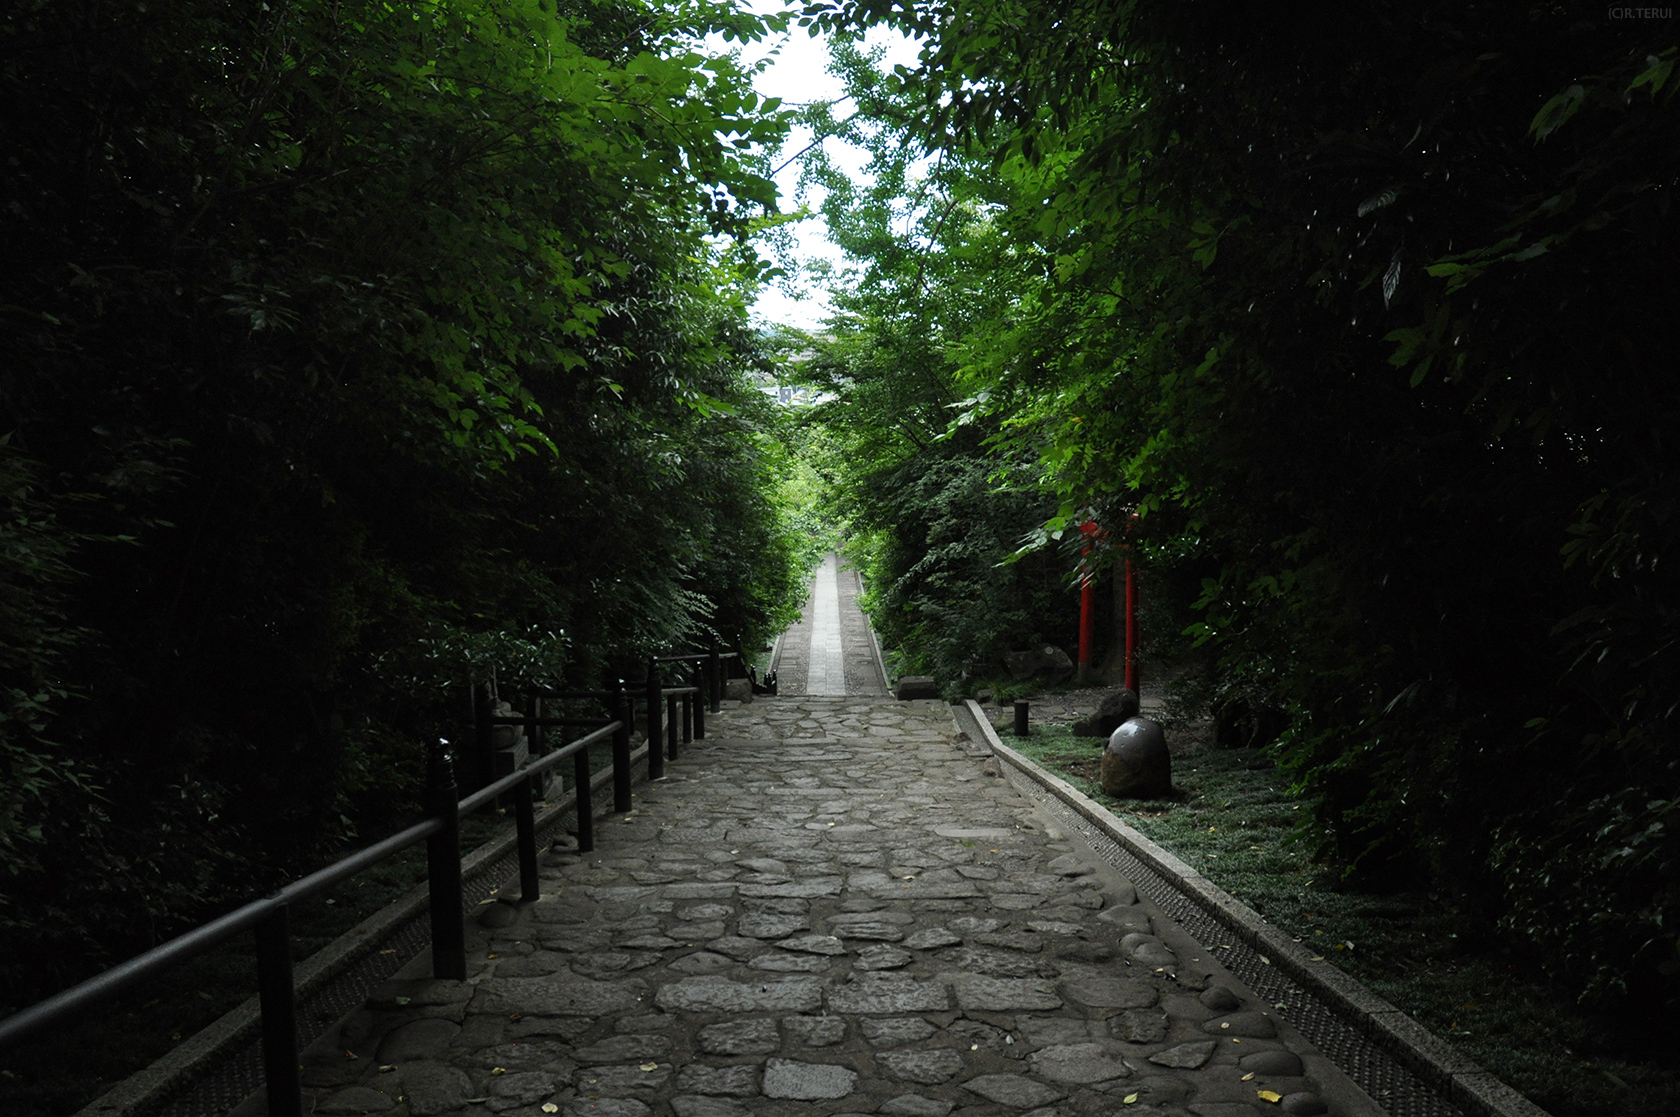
(355, 351)
(931, 516)
(1368, 310)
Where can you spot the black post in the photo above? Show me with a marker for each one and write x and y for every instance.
(690, 702)
(672, 728)
(622, 707)
(1021, 717)
(483, 767)
(443, 868)
(700, 703)
(655, 699)
(279, 1015)
(714, 678)
(583, 793)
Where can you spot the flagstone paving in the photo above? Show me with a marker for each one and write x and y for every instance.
(832, 905)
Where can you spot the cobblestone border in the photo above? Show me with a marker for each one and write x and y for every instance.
(1472, 1088)
(150, 1087)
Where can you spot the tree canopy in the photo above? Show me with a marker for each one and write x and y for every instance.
(1365, 310)
(356, 351)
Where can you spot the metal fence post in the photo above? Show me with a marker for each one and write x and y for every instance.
(281, 1078)
(622, 707)
(443, 868)
(715, 679)
(655, 699)
(672, 724)
(690, 703)
(700, 702)
(524, 808)
(583, 796)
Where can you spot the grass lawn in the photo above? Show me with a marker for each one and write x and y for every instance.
(1233, 821)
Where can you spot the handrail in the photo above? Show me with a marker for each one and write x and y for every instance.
(268, 915)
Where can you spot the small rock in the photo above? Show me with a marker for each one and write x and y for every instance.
(896, 1031)
(1078, 1064)
(740, 1037)
(606, 1107)
(785, 1078)
(914, 1105)
(1248, 1025)
(497, 915)
(1303, 1104)
(1014, 1090)
(691, 1105)
(927, 1067)
(509, 1091)
(1284, 1064)
(734, 1082)
(418, 1039)
(1116, 707)
(815, 1031)
(1140, 1025)
(1221, 999)
(434, 1088)
(1186, 1056)
(883, 957)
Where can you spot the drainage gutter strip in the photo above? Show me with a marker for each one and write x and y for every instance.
(1467, 1084)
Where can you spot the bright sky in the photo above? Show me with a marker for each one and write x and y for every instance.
(799, 74)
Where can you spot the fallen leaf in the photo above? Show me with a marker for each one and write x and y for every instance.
(1316, 958)
(550, 1107)
(650, 1066)
(402, 1000)
(1265, 961)
(387, 1068)
(1129, 1099)
(1269, 1095)
(498, 1070)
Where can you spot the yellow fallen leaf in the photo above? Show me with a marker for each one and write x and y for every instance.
(1269, 1095)
(1129, 1099)
(550, 1107)
(1247, 1077)
(498, 1070)
(650, 1066)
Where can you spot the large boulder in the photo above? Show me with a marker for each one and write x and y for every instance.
(1116, 707)
(1046, 662)
(1136, 764)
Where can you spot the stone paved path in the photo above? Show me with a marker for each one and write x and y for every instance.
(830, 651)
(832, 905)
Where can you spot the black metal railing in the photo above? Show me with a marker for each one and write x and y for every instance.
(269, 917)
(684, 712)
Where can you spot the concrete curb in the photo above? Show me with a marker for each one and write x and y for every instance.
(874, 639)
(1466, 1084)
(147, 1088)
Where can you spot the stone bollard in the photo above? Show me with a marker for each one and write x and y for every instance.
(1136, 764)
